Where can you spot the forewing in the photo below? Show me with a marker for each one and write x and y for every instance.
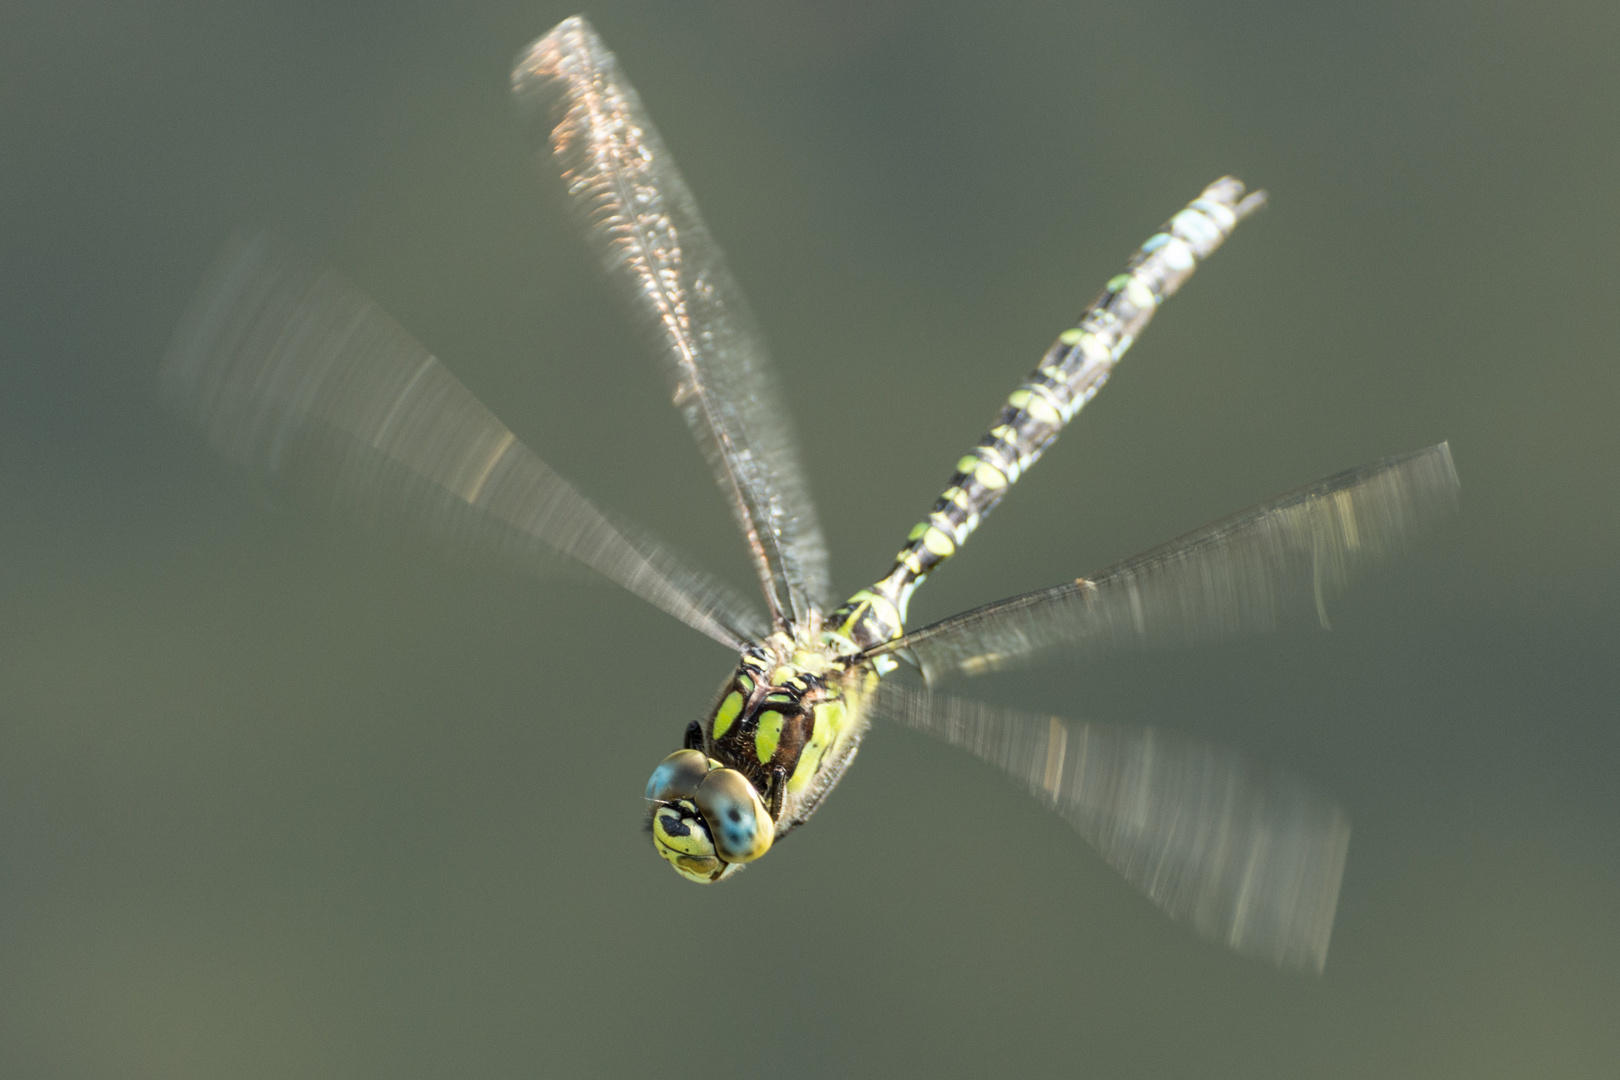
(1251, 858)
(1240, 574)
(296, 374)
(641, 219)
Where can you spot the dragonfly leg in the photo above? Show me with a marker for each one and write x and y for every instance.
(775, 792)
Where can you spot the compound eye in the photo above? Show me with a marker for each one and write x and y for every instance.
(682, 837)
(739, 825)
(677, 776)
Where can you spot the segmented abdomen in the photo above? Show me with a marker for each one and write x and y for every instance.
(1070, 373)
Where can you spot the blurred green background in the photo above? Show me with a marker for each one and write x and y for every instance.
(280, 798)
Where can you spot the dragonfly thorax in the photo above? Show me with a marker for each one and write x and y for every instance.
(783, 729)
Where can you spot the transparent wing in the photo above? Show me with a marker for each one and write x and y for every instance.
(293, 372)
(644, 224)
(1240, 574)
(1251, 858)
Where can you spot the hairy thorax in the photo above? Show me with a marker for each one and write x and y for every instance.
(789, 719)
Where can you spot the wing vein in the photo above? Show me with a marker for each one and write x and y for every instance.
(666, 267)
(1242, 573)
(295, 374)
(1250, 857)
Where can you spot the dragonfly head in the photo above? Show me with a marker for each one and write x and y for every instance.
(707, 820)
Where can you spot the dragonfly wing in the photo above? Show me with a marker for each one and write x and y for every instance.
(644, 224)
(293, 372)
(1251, 858)
(1240, 574)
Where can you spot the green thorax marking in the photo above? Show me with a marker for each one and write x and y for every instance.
(790, 722)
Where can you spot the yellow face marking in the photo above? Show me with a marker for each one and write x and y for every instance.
(768, 735)
(680, 836)
(729, 708)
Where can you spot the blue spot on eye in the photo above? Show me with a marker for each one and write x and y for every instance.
(734, 814)
(657, 780)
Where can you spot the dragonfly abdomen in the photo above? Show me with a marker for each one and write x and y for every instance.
(1069, 375)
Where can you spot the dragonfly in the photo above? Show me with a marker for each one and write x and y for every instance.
(294, 374)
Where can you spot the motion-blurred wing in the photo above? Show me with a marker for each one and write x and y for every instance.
(293, 372)
(642, 221)
(1250, 858)
(1239, 574)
